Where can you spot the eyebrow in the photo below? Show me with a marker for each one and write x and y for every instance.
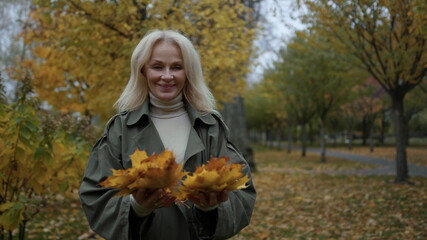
(158, 61)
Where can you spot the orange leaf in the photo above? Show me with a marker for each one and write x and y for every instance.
(156, 171)
(215, 176)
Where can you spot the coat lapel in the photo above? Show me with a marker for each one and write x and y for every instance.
(149, 140)
(194, 145)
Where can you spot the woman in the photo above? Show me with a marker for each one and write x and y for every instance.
(165, 105)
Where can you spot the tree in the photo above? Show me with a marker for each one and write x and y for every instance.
(312, 81)
(367, 104)
(328, 76)
(234, 111)
(415, 103)
(388, 38)
(264, 105)
(81, 49)
(288, 78)
(38, 159)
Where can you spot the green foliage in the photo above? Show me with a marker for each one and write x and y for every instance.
(305, 81)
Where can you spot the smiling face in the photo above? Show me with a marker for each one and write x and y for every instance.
(165, 71)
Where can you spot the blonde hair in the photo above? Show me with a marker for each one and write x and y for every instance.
(195, 90)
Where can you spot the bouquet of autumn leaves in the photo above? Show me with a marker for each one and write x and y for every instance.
(161, 171)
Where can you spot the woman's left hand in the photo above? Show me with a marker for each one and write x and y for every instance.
(209, 200)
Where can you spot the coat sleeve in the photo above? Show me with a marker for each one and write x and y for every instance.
(236, 212)
(107, 215)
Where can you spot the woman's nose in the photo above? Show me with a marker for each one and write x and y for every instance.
(167, 76)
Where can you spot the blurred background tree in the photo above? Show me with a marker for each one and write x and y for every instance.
(388, 39)
(80, 50)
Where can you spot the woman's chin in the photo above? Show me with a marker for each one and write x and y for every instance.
(167, 96)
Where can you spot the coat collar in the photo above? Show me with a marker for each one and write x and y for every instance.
(149, 138)
(143, 112)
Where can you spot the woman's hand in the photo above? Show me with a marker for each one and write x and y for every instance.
(153, 198)
(207, 201)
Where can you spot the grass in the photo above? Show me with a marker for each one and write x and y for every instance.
(296, 200)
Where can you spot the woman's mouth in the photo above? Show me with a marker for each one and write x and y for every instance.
(166, 86)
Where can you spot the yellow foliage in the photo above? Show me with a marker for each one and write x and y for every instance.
(161, 171)
(35, 164)
(215, 176)
(83, 48)
(156, 171)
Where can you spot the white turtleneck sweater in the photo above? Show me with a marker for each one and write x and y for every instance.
(172, 123)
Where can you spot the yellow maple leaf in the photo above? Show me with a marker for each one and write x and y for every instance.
(149, 172)
(215, 176)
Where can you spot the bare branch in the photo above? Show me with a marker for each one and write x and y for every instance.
(93, 18)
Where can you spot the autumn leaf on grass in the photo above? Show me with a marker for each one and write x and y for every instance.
(215, 176)
(150, 172)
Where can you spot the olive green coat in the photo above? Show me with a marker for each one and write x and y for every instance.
(113, 218)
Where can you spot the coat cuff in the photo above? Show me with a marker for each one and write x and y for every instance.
(139, 210)
(205, 209)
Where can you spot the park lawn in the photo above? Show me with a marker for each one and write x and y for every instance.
(415, 155)
(62, 218)
(296, 200)
(311, 205)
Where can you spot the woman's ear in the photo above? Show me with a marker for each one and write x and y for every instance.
(142, 71)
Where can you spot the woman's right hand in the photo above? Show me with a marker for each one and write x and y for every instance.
(153, 198)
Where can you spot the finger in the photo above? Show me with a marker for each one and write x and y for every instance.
(223, 196)
(156, 198)
(167, 201)
(155, 205)
(147, 197)
(140, 196)
(213, 199)
(193, 198)
(203, 200)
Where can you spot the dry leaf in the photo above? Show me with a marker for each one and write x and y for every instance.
(215, 176)
(156, 171)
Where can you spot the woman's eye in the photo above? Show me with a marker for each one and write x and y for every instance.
(156, 67)
(177, 67)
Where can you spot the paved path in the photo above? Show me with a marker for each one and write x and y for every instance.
(385, 167)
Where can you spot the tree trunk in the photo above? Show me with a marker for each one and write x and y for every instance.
(289, 146)
(350, 140)
(334, 142)
(279, 138)
(311, 134)
(383, 128)
(22, 227)
(235, 118)
(270, 138)
(400, 134)
(371, 138)
(322, 142)
(303, 140)
(264, 137)
(365, 131)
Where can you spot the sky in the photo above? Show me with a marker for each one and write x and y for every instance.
(280, 22)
